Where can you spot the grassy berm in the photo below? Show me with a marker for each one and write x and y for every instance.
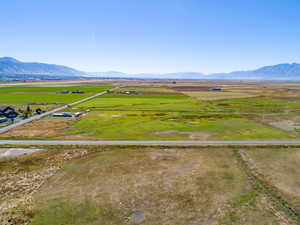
(131, 185)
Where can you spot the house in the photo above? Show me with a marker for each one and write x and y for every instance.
(216, 89)
(62, 92)
(8, 112)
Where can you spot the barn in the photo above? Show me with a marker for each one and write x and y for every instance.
(216, 89)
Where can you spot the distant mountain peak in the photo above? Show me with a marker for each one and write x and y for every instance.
(9, 59)
(9, 65)
(279, 72)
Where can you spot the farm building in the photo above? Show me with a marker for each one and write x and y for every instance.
(8, 112)
(216, 89)
(63, 114)
(78, 92)
(63, 92)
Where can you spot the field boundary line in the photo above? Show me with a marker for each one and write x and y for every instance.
(22, 122)
(155, 143)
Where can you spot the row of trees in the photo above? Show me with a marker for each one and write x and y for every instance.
(28, 112)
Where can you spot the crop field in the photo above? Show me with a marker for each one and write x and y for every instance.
(171, 112)
(45, 97)
(217, 95)
(154, 103)
(156, 90)
(132, 185)
(88, 88)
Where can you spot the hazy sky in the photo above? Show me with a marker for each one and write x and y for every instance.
(152, 35)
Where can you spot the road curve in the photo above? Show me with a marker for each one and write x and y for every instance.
(22, 122)
(153, 143)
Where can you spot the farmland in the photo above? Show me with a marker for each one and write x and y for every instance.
(210, 95)
(169, 112)
(22, 95)
(26, 100)
(156, 185)
(132, 185)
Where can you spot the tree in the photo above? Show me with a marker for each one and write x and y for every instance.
(39, 111)
(28, 112)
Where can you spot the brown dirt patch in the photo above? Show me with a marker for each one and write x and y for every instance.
(41, 128)
(199, 135)
(195, 135)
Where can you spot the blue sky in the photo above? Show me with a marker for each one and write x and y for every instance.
(153, 36)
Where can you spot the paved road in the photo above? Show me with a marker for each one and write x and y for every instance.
(22, 122)
(146, 143)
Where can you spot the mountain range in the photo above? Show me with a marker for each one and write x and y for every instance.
(9, 65)
(13, 69)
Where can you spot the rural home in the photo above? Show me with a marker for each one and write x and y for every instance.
(8, 112)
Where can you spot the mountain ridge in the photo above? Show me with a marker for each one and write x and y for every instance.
(13, 68)
(9, 65)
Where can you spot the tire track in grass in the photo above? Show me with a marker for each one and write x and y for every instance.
(272, 194)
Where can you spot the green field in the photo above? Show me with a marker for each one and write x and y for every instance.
(258, 105)
(162, 114)
(171, 126)
(156, 103)
(217, 95)
(161, 90)
(86, 88)
(174, 117)
(20, 95)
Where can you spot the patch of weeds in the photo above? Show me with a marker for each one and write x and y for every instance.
(231, 218)
(65, 212)
(247, 198)
(246, 201)
(30, 162)
(227, 175)
(14, 217)
(21, 164)
(224, 166)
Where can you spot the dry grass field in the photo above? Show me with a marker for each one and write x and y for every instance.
(132, 185)
(281, 169)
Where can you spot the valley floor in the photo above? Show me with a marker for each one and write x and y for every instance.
(166, 111)
(152, 185)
